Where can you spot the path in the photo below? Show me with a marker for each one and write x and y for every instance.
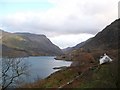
(62, 86)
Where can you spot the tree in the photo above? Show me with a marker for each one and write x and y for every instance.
(12, 70)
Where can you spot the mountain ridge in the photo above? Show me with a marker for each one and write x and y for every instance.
(106, 36)
(104, 41)
(31, 44)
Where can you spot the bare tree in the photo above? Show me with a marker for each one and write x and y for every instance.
(0, 73)
(12, 70)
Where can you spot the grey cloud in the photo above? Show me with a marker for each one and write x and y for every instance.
(72, 25)
(90, 18)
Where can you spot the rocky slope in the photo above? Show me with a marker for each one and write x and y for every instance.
(15, 44)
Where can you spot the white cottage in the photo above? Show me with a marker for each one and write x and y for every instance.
(105, 59)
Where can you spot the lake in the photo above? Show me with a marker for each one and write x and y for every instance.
(42, 66)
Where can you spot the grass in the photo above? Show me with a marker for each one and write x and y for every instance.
(104, 76)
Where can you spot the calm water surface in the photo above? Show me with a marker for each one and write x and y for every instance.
(42, 66)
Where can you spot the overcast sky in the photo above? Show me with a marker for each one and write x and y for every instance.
(65, 22)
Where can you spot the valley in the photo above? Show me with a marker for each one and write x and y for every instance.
(85, 70)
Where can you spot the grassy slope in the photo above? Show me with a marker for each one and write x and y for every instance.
(11, 40)
(105, 76)
(31, 44)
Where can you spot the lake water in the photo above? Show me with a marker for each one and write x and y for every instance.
(42, 66)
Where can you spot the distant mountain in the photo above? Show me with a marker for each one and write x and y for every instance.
(69, 49)
(28, 44)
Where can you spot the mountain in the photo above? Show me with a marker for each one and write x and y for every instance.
(105, 41)
(107, 38)
(69, 49)
(27, 44)
(85, 70)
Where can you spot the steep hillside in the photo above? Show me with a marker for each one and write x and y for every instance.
(40, 43)
(30, 44)
(106, 39)
(103, 42)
